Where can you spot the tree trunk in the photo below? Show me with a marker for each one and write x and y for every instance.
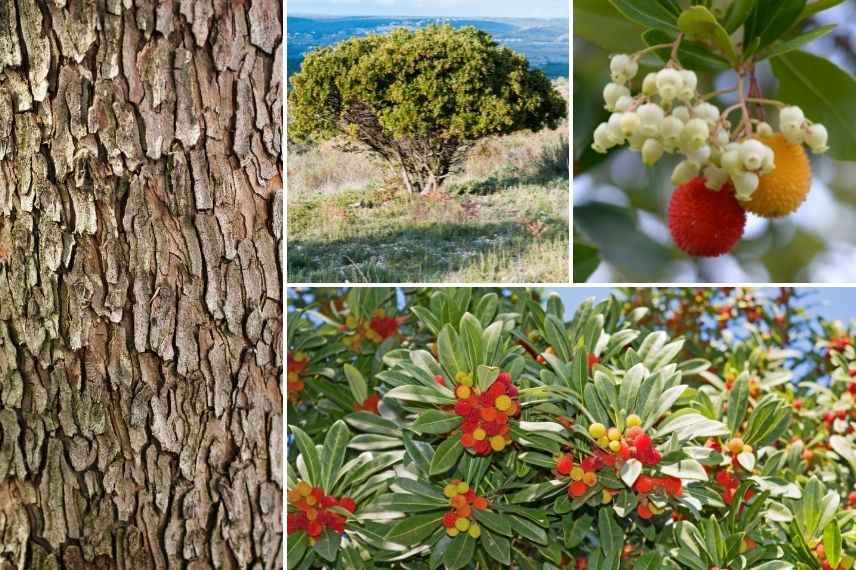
(140, 284)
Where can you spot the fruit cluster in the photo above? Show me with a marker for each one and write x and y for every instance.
(377, 329)
(633, 443)
(313, 511)
(645, 486)
(485, 414)
(296, 364)
(463, 501)
(583, 476)
(725, 171)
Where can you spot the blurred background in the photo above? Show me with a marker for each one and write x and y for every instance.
(620, 228)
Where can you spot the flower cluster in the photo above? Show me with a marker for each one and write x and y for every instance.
(633, 443)
(669, 116)
(485, 414)
(463, 501)
(377, 329)
(296, 364)
(313, 511)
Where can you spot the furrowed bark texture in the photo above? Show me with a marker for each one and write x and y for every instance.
(140, 284)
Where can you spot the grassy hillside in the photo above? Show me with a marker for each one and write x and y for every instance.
(504, 218)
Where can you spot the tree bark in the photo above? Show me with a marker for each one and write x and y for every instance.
(140, 284)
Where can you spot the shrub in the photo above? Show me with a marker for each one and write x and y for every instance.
(688, 428)
(419, 99)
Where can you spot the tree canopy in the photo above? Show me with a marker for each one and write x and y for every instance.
(419, 98)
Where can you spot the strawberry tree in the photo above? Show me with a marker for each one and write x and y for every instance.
(507, 435)
(704, 112)
(327, 494)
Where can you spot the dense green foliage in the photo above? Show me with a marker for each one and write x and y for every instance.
(419, 98)
(693, 429)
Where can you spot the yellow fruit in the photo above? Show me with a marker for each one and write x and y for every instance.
(503, 403)
(606, 497)
(590, 478)
(497, 443)
(747, 449)
(303, 489)
(597, 430)
(450, 490)
(603, 441)
(479, 434)
(633, 420)
(463, 392)
(735, 446)
(462, 487)
(782, 191)
(462, 524)
(613, 434)
(614, 446)
(577, 473)
(474, 530)
(453, 532)
(464, 378)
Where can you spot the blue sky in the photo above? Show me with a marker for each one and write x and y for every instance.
(834, 303)
(446, 8)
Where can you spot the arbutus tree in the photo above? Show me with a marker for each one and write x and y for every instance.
(140, 284)
(419, 99)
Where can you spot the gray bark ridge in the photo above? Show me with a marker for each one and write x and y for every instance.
(140, 284)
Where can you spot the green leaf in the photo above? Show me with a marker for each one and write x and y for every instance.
(297, 543)
(485, 376)
(738, 403)
(825, 92)
(600, 23)
(436, 421)
(446, 349)
(460, 552)
(784, 47)
(586, 260)
(413, 529)
(498, 547)
(493, 521)
(407, 503)
(471, 335)
(421, 394)
(359, 389)
(333, 453)
(737, 14)
(647, 13)
(609, 532)
(327, 545)
(446, 456)
(698, 23)
(769, 21)
(309, 453)
(528, 529)
(832, 543)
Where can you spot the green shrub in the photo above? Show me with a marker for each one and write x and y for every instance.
(419, 99)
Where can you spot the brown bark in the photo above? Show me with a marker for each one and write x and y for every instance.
(140, 284)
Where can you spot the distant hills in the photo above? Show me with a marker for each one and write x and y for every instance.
(543, 42)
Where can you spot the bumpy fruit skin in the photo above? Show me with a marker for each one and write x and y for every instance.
(703, 222)
(782, 191)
